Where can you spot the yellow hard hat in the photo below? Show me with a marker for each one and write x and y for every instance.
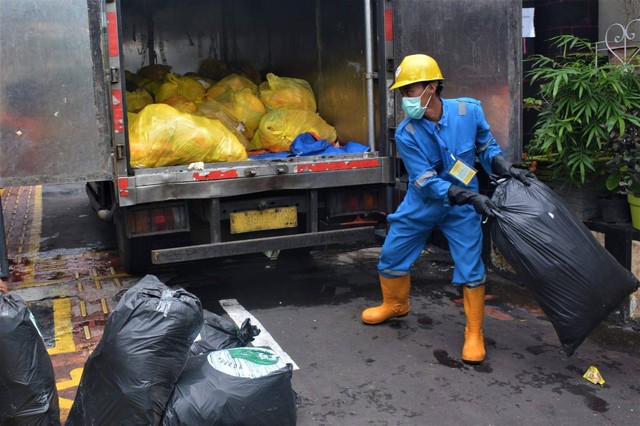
(415, 68)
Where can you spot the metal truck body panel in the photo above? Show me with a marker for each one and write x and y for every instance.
(53, 94)
(478, 48)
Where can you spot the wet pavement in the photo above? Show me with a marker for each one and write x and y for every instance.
(408, 371)
(404, 372)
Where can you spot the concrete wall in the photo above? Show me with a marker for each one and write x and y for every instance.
(633, 308)
(634, 299)
(616, 11)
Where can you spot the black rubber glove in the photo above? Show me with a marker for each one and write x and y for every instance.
(481, 203)
(501, 167)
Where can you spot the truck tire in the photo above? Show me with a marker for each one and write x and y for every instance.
(135, 253)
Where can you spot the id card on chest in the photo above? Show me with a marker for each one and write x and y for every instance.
(461, 171)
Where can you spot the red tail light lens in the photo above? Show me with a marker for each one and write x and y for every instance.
(354, 202)
(158, 220)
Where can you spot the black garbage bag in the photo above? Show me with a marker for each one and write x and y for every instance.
(28, 394)
(218, 333)
(237, 386)
(574, 279)
(130, 375)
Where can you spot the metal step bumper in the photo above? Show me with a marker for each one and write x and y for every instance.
(205, 251)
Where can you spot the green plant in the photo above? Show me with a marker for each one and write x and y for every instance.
(581, 100)
(624, 165)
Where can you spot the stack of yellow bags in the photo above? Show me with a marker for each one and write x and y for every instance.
(177, 120)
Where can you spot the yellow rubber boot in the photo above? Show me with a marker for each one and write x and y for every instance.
(473, 350)
(395, 300)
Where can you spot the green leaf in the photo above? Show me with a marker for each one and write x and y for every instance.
(613, 180)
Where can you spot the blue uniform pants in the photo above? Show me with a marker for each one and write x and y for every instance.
(410, 228)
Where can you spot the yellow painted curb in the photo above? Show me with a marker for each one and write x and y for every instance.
(62, 327)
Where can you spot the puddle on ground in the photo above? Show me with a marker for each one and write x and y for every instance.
(535, 350)
(485, 367)
(425, 322)
(443, 358)
(594, 402)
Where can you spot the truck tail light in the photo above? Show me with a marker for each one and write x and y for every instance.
(158, 220)
(370, 201)
(342, 203)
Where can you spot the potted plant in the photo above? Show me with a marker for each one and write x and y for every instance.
(581, 100)
(624, 168)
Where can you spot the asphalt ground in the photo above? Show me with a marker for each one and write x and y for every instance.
(408, 371)
(404, 372)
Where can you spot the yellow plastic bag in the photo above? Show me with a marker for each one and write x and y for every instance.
(239, 82)
(216, 91)
(162, 136)
(205, 82)
(278, 128)
(138, 99)
(182, 104)
(153, 86)
(245, 107)
(183, 86)
(231, 83)
(214, 109)
(286, 92)
(248, 71)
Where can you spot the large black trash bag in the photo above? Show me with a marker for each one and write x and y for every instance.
(129, 377)
(218, 333)
(575, 280)
(28, 394)
(238, 386)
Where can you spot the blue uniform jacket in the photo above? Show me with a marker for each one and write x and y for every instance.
(426, 147)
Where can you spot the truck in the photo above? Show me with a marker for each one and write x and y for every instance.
(63, 116)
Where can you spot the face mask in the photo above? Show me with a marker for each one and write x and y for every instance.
(413, 106)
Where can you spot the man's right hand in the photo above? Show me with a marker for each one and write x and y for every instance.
(481, 203)
(502, 167)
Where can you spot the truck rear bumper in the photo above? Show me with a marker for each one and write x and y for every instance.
(231, 248)
(250, 177)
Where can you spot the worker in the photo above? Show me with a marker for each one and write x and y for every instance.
(438, 141)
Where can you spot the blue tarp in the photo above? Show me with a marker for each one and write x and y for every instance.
(307, 144)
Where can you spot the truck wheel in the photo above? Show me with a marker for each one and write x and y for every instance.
(135, 253)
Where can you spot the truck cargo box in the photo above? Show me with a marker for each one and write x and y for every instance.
(237, 207)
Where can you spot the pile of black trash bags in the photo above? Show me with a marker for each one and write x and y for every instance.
(162, 360)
